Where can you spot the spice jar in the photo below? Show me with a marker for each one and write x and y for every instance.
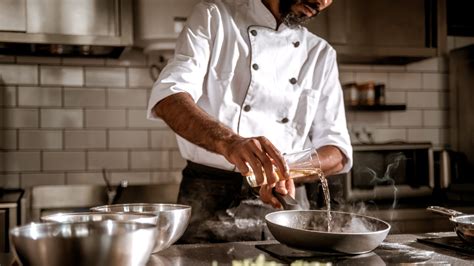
(379, 93)
(366, 93)
(351, 94)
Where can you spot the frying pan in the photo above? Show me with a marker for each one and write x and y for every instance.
(307, 230)
(463, 223)
(303, 229)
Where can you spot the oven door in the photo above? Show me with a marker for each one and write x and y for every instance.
(390, 171)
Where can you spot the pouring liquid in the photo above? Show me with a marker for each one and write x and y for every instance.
(327, 199)
(298, 173)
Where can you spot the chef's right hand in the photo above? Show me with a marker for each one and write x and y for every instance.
(258, 153)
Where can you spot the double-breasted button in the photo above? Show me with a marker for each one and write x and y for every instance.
(293, 81)
(285, 120)
(296, 44)
(255, 66)
(253, 32)
(247, 108)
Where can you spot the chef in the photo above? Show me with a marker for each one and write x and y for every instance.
(248, 83)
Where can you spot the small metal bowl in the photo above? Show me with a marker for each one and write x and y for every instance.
(84, 243)
(173, 219)
(76, 217)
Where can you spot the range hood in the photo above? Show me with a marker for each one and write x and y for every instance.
(158, 23)
(86, 28)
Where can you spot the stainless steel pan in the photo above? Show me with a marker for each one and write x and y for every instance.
(463, 223)
(307, 230)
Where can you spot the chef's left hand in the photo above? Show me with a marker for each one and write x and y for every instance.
(283, 187)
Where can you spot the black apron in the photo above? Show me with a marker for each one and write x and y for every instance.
(224, 207)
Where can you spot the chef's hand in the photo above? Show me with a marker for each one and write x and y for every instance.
(283, 187)
(260, 154)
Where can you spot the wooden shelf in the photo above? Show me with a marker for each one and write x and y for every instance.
(384, 107)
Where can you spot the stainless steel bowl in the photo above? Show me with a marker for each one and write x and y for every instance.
(100, 216)
(173, 219)
(84, 243)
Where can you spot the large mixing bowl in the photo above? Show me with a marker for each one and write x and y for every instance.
(173, 219)
(100, 216)
(84, 243)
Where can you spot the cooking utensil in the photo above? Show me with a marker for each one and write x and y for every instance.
(463, 223)
(98, 216)
(85, 243)
(172, 219)
(352, 233)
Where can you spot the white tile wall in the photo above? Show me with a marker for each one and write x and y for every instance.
(40, 139)
(127, 97)
(84, 97)
(64, 119)
(425, 134)
(137, 119)
(102, 118)
(128, 139)
(163, 139)
(133, 178)
(423, 100)
(85, 139)
(404, 81)
(435, 81)
(10, 181)
(10, 139)
(436, 118)
(30, 180)
(105, 77)
(39, 96)
(150, 160)
(64, 161)
(20, 118)
(139, 77)
(9, 95)
(62, 76)
(22, 161)
(85, 178)
(166, 177)
(115, 160)
(409, 118)
(19, 74)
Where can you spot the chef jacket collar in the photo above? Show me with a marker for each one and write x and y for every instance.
(264, 17)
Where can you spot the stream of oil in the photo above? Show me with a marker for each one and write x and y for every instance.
(327, 198)
(252, 180)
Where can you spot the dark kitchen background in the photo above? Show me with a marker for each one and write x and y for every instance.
(74, 98)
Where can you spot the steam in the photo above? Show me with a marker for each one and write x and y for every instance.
(386, 178)
(341, 223)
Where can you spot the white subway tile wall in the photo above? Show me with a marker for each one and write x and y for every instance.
(65, 119)
(422, 86)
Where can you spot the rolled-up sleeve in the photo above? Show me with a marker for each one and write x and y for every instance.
(329, 126)
(186, 71)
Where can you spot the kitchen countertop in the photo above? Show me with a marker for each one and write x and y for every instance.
(395, 250)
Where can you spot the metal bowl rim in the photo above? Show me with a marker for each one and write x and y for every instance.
(179, 207)
(72, 214)
(16, 231)
(455, 219)
(330, 233)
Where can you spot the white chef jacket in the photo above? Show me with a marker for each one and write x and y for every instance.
(257, 79)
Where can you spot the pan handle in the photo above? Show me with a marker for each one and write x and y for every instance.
(444, 211)
(287, 201)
